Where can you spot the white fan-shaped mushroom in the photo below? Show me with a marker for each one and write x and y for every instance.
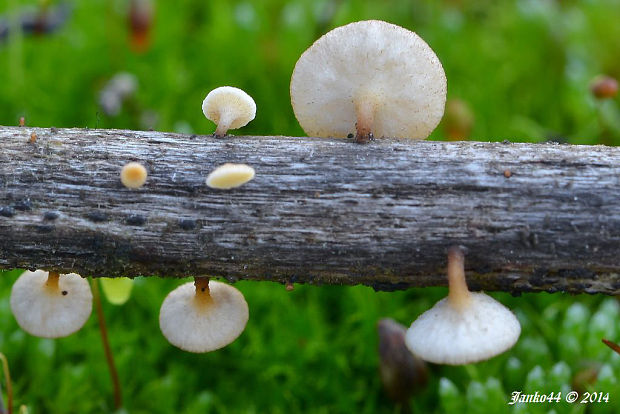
(50, 305)
(465, 327)
(229, 108)
(372, 77)
(229, 176)
(203, 316)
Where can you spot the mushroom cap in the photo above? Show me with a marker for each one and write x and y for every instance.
(133, 175)
(229, 176)
(232, 100)
(390, 66)
(199, 326)
(447, 335)
(44, 311)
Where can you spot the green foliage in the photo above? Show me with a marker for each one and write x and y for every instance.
(310, 350)
(523, 67)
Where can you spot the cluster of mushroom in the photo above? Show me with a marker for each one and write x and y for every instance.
(366, 79)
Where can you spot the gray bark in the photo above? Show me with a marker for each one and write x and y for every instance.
(532, 217)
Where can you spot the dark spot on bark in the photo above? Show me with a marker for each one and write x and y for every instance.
(45, 228)
(64, 293)
(389, 287)
(578, 273)
(23, 205)
(192, 137)
(187, 224)
(350, 135)
(7, 211)
(53, 130)
(135, 220)
(97, 216)
(202, 289)
(50, 215)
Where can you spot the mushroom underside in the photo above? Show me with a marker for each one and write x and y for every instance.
(203, 325)
(447, 335)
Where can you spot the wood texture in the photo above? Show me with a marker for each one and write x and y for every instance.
(533, 217)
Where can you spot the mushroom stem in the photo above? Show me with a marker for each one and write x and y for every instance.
(203, 294)
(458, 295)
(365, 115)
(109, 356)
(52, 280)
(223, 124)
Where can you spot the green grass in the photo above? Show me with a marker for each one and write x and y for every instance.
(309, 350)
(522, 67)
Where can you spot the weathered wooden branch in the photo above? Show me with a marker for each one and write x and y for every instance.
(532, 216)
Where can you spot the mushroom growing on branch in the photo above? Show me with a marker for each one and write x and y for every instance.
(133, 175)
(229, 176)
(50, 305)
(465, 327)
(376, 78)
(229, 108)
(203, 316)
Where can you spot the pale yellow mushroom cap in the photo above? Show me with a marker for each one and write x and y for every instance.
(48, 310)
(133, 175)
(229, 176)
(446, 334)
(197, 325)
(229, 108)
(372, 73)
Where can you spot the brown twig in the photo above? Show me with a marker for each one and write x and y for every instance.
(118, 396)
(613, 346)
(9, 386)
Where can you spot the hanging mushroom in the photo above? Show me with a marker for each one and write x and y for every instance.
(371, 77)
(465, 327)
(203, 316)
(229, 108)
(51, 305)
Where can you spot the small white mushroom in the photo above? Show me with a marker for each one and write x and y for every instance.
(229, 108)
(133, 175)
(371, 77)
(50, 305)
(465, 327)
(203, 316)
(229, 176)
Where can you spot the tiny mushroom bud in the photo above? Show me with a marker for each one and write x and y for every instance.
(465, 327)
(133, 175)
(376, 78)
(229, 108)
(50, 305)
(402, 373)
(203, 316)
(229, 176)
(604, 87)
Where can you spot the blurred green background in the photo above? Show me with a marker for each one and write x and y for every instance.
(519, 70)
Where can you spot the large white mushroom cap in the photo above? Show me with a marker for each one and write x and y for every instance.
(196, 324)
(373, 70)
(51, 310)
(229, 108)
(446, 334)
